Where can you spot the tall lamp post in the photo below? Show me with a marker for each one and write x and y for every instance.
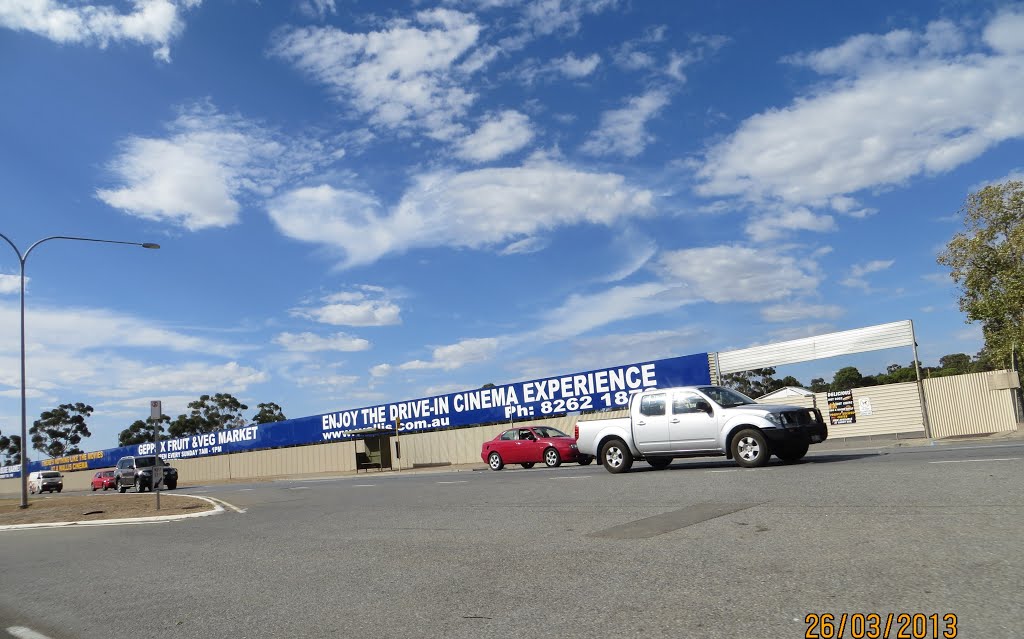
(22, 257)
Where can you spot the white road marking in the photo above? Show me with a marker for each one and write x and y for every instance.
(244, 489)
(25, 633)
(580, 477)
(226, 504)
(961, 461)
(728, 470)
(300, 488)
(362, 485)
(461, 481)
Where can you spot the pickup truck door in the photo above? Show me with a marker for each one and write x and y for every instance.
(690, 425)
(650, 423)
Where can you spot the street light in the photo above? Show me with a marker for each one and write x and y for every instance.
(24, 418)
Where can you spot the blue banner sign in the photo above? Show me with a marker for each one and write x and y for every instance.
(606, 388)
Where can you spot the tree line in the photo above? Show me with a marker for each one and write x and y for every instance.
(762, 381)
(59, 431)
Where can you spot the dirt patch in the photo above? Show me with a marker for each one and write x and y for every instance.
(56, 508)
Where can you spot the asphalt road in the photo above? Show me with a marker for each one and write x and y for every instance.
(702, 549)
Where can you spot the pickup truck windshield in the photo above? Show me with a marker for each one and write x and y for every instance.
(725, 397)
(145, 462)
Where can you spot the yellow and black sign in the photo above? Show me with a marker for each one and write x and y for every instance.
(840, 408)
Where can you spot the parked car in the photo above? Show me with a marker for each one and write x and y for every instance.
(137, 472)
(529, 445)
(103, 479)
(45, 481)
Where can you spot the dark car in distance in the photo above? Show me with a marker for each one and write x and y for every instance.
(137, 472)
(530, 445)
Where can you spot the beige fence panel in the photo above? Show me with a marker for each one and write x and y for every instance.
(895, 408)
(964, 405)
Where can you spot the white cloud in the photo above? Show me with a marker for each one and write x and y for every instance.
(622, 131)
(197, 175)
(87, 351)
(578, 315)
(525, 246)
(402, 76)
(498, 135)
(572, 67)
(858, 271)
(453, 356)
(581, 313)
(733, 273)
(367, 313)
(902, 106)
(545, 17)
(771, 226)
(10, 284)
(797, 332)
(318, 8)
(77, 329)
(798, 311)
(568, 66)
(151, 22)
(1006, 33)
(135, 380)
(636, 250)
(473, 209)
(638, 54)
(587, 353)
(327, 381)
(872, 50)
(310, 342)
(365, 305)
(1015, 175)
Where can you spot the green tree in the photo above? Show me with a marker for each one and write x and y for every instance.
(847, 378)
(986, 260)
(268, 413)
(10, 449)
(208, 414)
(955, 364)
(756, 382)
(141, 431)
(58, 432)
(819, 385)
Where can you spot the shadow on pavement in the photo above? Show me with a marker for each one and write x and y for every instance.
(728, 464)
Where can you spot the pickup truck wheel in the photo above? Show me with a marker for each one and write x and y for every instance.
(616, 456)
(552, 459)
(584, 460)
(792, 452)
(750, 449)
(171, 485)
(528, 465)
(659, 463)
(494, 461)
(117, 484)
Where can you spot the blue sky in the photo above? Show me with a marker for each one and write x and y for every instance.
(363, 202)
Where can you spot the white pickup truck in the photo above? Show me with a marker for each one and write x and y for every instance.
(696, 421)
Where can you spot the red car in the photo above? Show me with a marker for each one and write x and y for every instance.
(528, 445)
(103, 479)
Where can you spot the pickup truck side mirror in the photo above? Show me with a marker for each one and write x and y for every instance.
(703, 405)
